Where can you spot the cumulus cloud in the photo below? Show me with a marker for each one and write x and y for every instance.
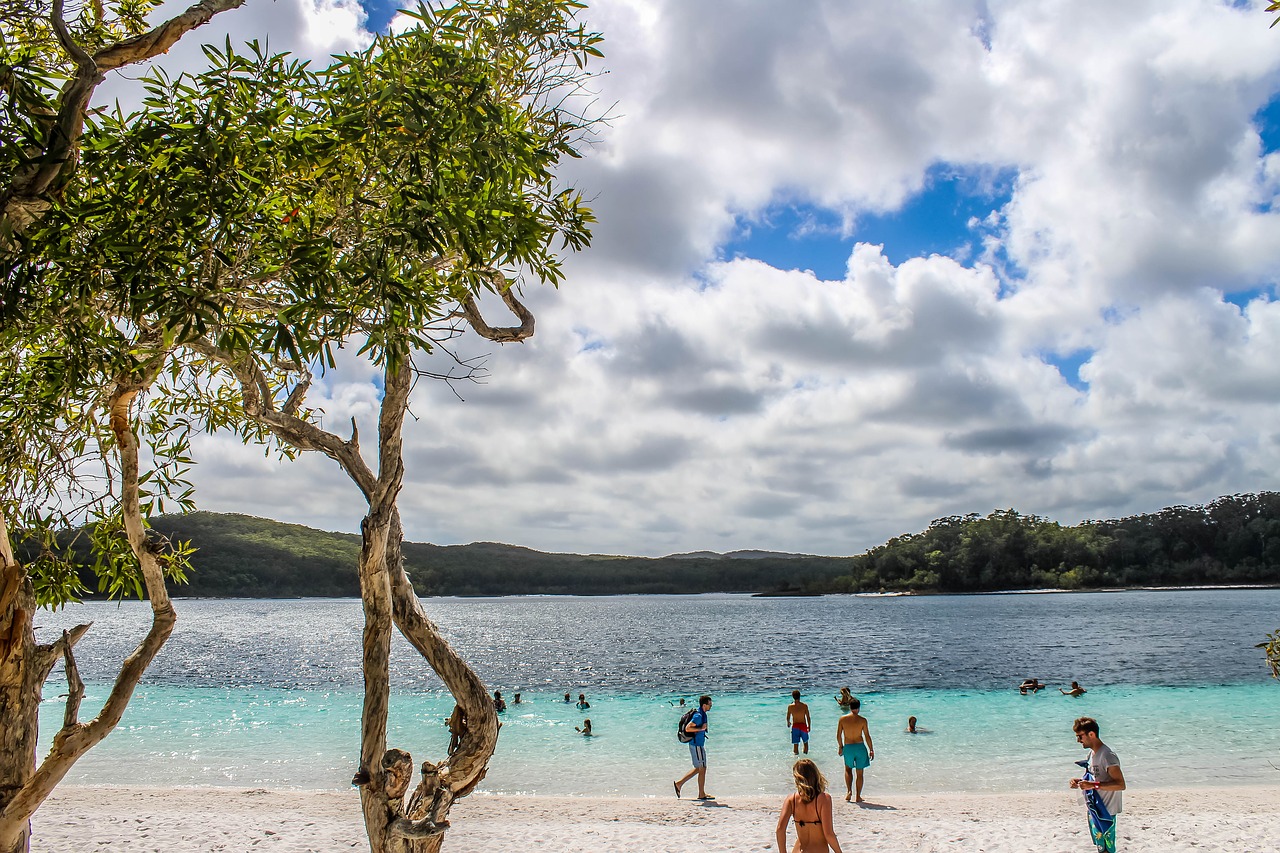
(676, 399)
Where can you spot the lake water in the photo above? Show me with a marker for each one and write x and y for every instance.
(258, 693)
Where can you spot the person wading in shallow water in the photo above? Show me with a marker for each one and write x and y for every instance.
(810, 807)
(798, 720)
(854, 739)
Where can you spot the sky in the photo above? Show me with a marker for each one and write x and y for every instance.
(859, 264)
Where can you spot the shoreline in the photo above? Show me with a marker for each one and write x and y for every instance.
(202, 820)
(748, 593)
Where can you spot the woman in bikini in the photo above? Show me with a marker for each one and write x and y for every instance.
(810, 806)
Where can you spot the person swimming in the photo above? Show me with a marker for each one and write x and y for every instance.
(913, 729)
(585, 728)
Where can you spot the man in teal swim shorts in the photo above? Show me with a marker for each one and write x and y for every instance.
(854, 739)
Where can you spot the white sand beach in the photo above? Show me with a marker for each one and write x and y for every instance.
(197, 820)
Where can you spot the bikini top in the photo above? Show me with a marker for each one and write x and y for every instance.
(795, 815)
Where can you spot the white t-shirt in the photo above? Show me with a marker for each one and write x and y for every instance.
(1100, 762)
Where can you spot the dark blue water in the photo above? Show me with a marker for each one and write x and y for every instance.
(681, 644)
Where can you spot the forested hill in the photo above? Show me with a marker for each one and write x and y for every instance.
(1234, 540)
(240, 555)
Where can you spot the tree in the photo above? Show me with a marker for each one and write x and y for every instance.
(272, 213)
(63, 408)
(72, 453)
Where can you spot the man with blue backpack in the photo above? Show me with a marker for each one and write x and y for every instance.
(693, 731)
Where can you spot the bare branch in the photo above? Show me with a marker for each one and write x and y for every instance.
(296, 396)
(48, 655)
(166, 35)
(73, 49)
(75, 687)
(506, 334)
(298, 432)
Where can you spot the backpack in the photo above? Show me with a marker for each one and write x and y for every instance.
(682, 735)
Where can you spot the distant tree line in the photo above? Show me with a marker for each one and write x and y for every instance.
(1233, 540)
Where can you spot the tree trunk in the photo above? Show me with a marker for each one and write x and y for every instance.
(459, 774)
(375, 594)
(20, 694)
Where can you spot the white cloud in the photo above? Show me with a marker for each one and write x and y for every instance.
(673, 400)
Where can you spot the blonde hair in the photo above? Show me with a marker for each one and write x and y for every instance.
(809, 780)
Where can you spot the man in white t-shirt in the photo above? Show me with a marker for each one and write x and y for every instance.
(1101, 785)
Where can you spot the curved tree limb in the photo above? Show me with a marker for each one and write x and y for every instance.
(158, 40)
(379, 800)
(466, 767)
(75, 686)
(502, 334)
(75, 738)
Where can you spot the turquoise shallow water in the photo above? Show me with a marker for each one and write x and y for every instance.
(978, 740)
(265, 693)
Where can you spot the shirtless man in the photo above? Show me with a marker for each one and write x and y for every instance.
(854, 740)
(798, 720)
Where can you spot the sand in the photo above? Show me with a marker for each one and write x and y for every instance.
(195, 820)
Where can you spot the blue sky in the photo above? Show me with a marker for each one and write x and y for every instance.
(380, 13)
(944, 217)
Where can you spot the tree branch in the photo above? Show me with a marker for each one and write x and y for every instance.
(75, 687)
(163, 37)
(258, 404)
(506, 334)
(24, 201)
(48, 655)
(74, 739)
(466, 767)
(73, 49)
